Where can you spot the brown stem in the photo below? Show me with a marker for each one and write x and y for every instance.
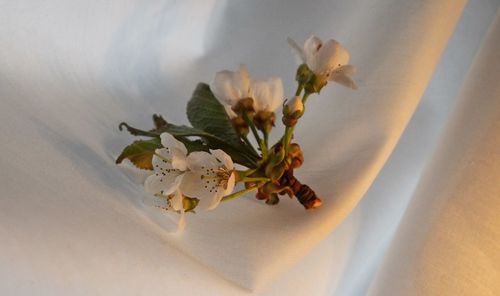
(306, 196)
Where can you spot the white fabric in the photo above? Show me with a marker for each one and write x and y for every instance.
(70, 72)
(450, 233)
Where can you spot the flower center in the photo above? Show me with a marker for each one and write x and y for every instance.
(216, 178)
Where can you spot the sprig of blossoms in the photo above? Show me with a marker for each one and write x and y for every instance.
(193, 167)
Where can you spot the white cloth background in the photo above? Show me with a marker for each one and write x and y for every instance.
(72, 223)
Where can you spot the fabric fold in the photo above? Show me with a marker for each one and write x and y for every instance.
(447, 242)
(69, 77)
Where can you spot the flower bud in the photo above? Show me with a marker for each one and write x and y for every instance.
(303, 74)
(292, 111)
(273, 199)
(295, 106)
(295, 155)
(277, 155)
(260, 195)
(277, 171)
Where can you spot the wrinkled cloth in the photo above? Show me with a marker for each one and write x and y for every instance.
(74, 223)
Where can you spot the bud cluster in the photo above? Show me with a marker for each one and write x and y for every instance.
(275, 168)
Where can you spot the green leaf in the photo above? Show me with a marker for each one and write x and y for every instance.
(206, 113)
(182, 131)
(194, 145)
(140, 153)
(137, 132)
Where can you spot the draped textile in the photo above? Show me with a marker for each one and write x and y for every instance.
(74, 223)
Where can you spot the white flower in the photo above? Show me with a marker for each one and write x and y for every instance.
(209, 178)
(267, 95)
(202, 175)
(295, 105)
(328, 60)
(169, 165)
(172, 203)
(230, 87)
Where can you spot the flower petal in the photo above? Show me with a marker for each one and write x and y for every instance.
(230, 112)
(230, 184)
(229, 87)
(179, 161)
(162, 156)
(176, 201)
(277, 93)
(224, 158)
(295, 105)
(297, 52)
(261, 95)
(268, 95)
(170, 142)
(163, 183)
(330, 56)
(347, 70)
(200, 161)
(311, 49)
(243, 81)
(223, 88)
(206, 190)
(344, 80)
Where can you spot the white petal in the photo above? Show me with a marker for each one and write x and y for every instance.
(344, 80)
(243, 82)
(215, 201)
(297, 52)
(268, 95)
(176, 201)
(229, 87)
(276, 90)
(206, 190)
(295, 104)
(330, 56)
(179, 161)
(162, 155)
(201, 161)
(170, 142)
(347, 70)
(223, 88)
(165, 161)
(230, 184)
(260, 90)
(163, 184)
(230, 112)
(311, 48)
(224, 158)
